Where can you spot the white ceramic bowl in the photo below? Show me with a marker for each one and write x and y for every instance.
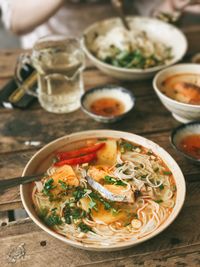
(156, 29)
(41, 161)
(111, 91)
(181, 112)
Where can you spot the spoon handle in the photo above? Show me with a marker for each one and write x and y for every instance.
(118, 4)
(12, 182)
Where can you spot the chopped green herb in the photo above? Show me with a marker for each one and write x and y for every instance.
(144, 176)
(63, 185)
(93, 205)
(102, 139)
(127, 224)
(158, 201)
(73, 213)
(95, 196)
(167, 173)
(112, 180)
(42, 213)
(125, 146)
(67, 215)
(84, 228)
(79, 193)
(149, 152)
(53, 219)
(120, 182)
(54, 209)
(156, 169)
(48, 186)
(107, 205)
(118, 165)
(174, 188)
(78, 213)
(161, 187)
(114, 211)
(136, 168)
(54, 160)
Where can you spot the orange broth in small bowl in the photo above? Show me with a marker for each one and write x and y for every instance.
(107, 106)
(186, 140)
(107, 103)
(191, 145)
(182, 87)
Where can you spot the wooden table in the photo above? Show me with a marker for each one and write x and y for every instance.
(24, 244)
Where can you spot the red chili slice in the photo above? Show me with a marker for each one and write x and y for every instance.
(75, 161)
(79, 152)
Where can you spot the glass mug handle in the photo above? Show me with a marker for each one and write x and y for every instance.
(23, 60)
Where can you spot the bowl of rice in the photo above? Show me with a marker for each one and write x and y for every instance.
(148, 47)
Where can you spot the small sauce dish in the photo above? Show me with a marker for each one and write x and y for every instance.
(186, 140)
(108, 103)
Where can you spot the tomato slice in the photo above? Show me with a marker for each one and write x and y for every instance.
(78, 160)
(79, 152)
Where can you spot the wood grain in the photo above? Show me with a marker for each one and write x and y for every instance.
(179, 245)
(17, 161)
(17, 127)
(173, 245)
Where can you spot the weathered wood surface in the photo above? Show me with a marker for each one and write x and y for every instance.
(16, 162)
(179, 245)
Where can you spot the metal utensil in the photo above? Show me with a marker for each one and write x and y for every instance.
(12, 182)
(118, 5)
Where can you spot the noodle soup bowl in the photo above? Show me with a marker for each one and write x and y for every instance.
(42, 160)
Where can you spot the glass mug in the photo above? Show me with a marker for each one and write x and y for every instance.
(59, 62)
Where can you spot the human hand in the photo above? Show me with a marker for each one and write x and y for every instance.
(171, 10)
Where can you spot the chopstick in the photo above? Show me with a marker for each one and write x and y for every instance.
(12, 182)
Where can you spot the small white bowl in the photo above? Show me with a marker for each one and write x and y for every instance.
(156, 29)
(181, 112)
(111, 91)
(182, 131)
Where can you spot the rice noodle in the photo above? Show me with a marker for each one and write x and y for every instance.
(140, 172)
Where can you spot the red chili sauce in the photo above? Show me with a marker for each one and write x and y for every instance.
(107, 107)
(191, 145)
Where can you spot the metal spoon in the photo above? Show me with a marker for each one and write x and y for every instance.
(118, 5)
(12, 182)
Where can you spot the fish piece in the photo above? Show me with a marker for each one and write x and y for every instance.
(120, 190)
(108, 194)
(98, 172)
(65, 174)
(107, 216)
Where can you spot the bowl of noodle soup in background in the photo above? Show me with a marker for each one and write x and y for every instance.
(96, 238)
